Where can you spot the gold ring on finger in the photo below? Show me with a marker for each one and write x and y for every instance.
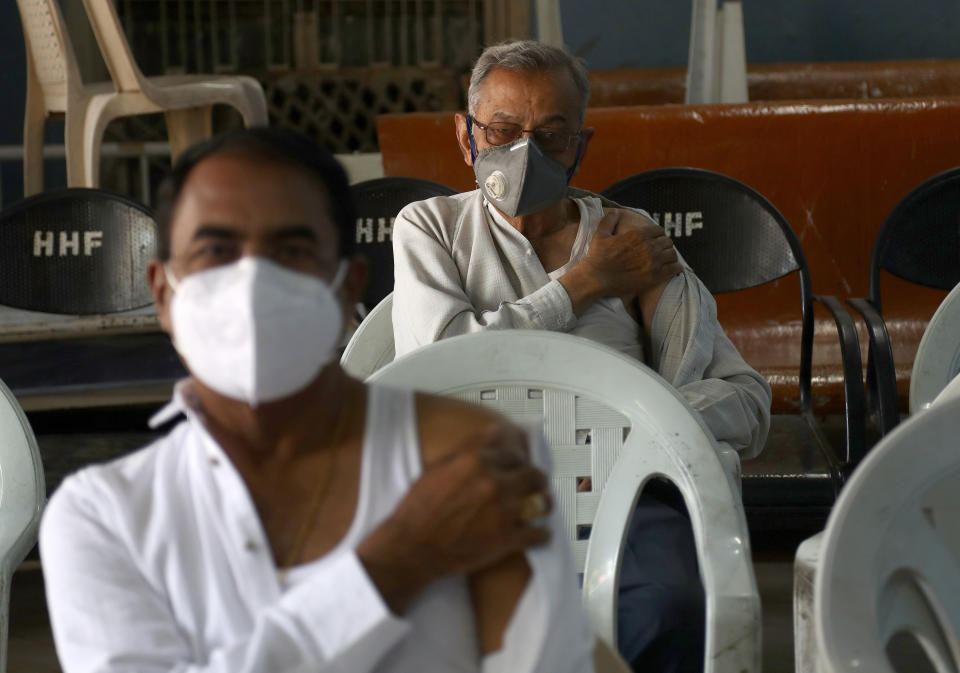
(533, 507)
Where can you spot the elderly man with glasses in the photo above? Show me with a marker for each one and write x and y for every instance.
(524, 250)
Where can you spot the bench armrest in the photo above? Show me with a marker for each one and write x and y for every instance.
(881, 375)
(855, 443)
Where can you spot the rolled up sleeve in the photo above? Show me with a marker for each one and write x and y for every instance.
(692, 352)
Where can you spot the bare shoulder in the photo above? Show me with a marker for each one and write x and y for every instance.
(447, 425)
(631, 220)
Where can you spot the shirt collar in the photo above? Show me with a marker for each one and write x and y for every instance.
(184, 401)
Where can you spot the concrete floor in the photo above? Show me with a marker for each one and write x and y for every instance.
(31, 644)
(775, 581)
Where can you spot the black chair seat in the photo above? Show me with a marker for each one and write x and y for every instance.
(794, 482)
(76, 252)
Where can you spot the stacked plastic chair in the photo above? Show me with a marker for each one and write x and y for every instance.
(54, 87)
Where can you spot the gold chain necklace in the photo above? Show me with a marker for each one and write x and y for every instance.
(310, 518)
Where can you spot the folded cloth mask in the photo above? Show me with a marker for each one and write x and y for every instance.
(253, 330)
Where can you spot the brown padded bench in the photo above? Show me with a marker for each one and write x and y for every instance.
(783, 81)
(787, 81)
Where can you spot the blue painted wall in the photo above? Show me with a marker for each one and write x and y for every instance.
(638, 33)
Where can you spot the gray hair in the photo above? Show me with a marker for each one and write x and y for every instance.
(526, 56)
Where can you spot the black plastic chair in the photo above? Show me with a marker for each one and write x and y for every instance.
(68, 254)
(735, 239)
(378, 201)
(79, 258)
(920, 243)
(76, 251)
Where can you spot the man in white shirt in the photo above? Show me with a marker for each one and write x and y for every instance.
(295, 519)
(525, 251)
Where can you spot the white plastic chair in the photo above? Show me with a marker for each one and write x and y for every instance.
(934, 380)
(22, 496)
(890, 562)
(371, 346)
(639, 428)
(54, 86)
(806, 653)
(938, 356)
(951, 391)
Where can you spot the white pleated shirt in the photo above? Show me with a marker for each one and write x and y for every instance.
(460, 267)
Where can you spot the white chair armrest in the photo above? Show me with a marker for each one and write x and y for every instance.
(805, 650)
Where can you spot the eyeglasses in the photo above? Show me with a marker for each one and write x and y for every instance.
(549, 140)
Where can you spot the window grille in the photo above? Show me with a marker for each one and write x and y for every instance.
(328, 67)
(176, 36)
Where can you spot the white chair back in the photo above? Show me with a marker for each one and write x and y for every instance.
(938, 355)
(22, 496)
(50, 58)
(890, 563)
(371, 346)
(54, 85)
(113, 44)
(951, 391)
(610, 418)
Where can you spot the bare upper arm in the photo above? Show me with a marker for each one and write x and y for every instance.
(646, 302)
(446, 426)
(495, 592)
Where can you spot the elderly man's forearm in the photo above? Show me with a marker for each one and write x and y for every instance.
(583, 287)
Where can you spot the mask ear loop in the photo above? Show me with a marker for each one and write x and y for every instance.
(341, 274)
(171, 278)
(473, 143)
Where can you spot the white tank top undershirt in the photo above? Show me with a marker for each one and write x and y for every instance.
(443, 634)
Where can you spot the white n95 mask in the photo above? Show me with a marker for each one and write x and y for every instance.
(253, 330)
